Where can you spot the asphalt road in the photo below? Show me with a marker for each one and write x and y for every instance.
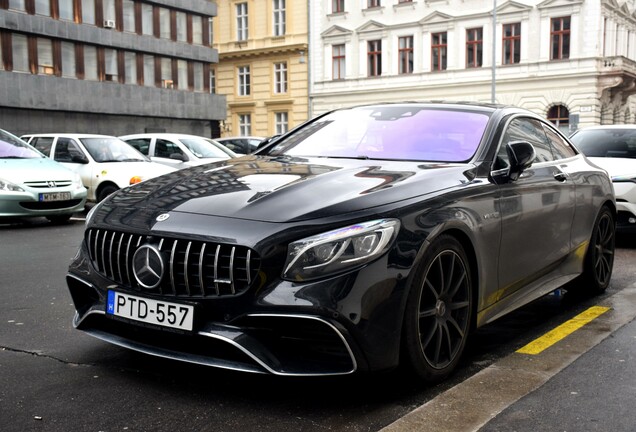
(54, 378)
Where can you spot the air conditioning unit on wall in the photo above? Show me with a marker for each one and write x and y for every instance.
(109, 24)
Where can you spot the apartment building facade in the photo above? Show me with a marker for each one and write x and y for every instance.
(108, 66)
(263, 67)
(572, 61)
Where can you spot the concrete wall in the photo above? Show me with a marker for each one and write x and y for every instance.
(20, 122)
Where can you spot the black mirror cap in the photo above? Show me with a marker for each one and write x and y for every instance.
(521, 155)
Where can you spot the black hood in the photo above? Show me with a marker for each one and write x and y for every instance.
(283, 189)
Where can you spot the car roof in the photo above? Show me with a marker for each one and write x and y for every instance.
(69, 135)
(162, 135)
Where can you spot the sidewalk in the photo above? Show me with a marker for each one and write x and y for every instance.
(586, 382)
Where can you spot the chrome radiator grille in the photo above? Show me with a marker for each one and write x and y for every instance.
(193, 268)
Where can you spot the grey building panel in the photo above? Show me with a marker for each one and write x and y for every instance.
(201, 7)
(28, 91)
(48, 27)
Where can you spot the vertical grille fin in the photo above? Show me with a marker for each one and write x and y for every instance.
(193, 269)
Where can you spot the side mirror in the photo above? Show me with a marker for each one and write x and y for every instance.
(179, 156)
(521, 155)
(80, 159)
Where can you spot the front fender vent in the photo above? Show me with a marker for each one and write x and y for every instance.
(192, 268)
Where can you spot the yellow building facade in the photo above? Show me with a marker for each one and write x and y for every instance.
(263, 65)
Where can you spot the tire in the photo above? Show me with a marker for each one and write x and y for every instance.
(599, 259)
(105, 191)
(438, 311)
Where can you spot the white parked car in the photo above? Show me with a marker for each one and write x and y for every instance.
(613, 148)
(105, 163)
(179, 150)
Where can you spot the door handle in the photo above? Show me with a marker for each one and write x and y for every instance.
(561, 176)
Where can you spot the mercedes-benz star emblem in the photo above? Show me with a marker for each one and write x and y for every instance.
(162, 217)
(148, 266)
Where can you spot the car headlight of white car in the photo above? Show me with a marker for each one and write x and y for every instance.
(339, 250)
(7, 186)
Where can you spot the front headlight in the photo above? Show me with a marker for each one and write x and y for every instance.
(77, 181)
(7, 186)
(339, 250)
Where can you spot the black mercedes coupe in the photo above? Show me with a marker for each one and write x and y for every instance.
(365, 238)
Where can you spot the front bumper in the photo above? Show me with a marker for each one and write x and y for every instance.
(626, 206)
(28, 204)
(331, 327)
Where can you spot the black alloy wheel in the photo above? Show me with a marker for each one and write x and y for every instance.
(439, 311)
(599, 260)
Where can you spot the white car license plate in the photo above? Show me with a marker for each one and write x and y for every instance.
(55, 196)
(175, 315)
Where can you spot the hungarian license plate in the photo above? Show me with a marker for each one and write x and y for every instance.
(55, 196)
(167, 314)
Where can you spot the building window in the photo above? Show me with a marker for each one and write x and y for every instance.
(280, 78)
(90, 63)
(474, 47)
(88, 11)
(374, 58)
(130, 67)
(17, 5)
(245, 124)
(279, 17)
(281, 122)
(338, 62)
(164, 23)
(108, 6)
(43, 7)
(68, 60)
(244, 81)
(337, 6)
(129, 16)
(149, 70)
(405, 54)
(439, 51)
(66, 10)
(241, 22)
(166, 73)
(45, 57)
(212, 80)
(182, 74)
(560, 117)
(147, 27)
(182, 27)
(560, 38)
(197, 30)
(198, 77)
(20, 53)
(111, 69)
(511, 43)
(373, 3)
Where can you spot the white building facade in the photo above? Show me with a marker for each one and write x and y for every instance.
(572, 61)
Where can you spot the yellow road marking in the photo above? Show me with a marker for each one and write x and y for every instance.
(560, 332)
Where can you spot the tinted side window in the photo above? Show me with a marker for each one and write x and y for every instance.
(141, 144)
(43, 144)
(561, 148)
(65, 149)
(530, 130)
(164, 148)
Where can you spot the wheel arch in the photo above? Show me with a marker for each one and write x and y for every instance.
(103, 185)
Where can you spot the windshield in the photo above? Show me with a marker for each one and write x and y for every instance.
(202, 148)
(110, 149)
(618, 143)
(394, 132)
(12, 147)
